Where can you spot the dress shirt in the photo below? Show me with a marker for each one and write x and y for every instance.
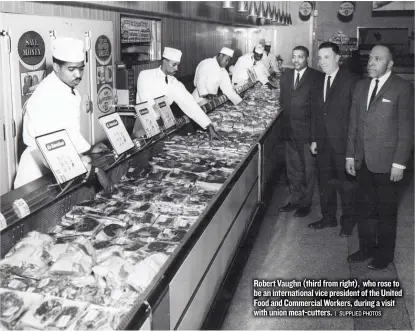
(332, 77)
(301, 72)
(381, 82)
(209, 77)
(151, 84)
(240, 71)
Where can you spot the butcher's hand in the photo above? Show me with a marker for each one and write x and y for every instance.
(105, 181)
(313, 148)
(213, 134)
(396, 174)
(100, 148)
(350, 169)
(86, 160)
(242, 104)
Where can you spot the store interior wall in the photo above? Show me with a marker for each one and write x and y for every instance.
(182, 26)
(327, 22)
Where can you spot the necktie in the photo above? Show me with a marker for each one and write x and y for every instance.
(297, 81)
(167, 81)
(375, 90)
(327, 87)
(72, 91)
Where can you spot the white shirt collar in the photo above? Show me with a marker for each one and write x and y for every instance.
(333, 75)
(301, 72)
(382, 79)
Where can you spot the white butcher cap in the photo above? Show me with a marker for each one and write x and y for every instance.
(259, 49)
(68, 49)
(268, 43)
(172, 54)
(227, 51)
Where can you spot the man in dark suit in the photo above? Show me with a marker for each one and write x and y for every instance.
(332, 100)
(295, 99)
(380, 143)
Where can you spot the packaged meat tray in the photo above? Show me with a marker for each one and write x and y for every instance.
(144, 272)
(185, 222)
(52, 313)
(13, 304)
(171, 235)
(143, 218)
(165, 220)
(147, 233)
(9, 280)
(110, 231)
(99, 318)
(161, 247)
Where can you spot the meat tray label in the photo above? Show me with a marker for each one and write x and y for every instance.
(55, 145)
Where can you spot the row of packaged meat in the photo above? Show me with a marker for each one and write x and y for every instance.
(106, 252)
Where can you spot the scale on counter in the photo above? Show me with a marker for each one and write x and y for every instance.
(166, 114)
(147, 119)
(117, 134)
(61, 157)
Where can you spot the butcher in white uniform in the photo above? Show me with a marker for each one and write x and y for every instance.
(211, 75)
(154, 83)
(268, 58)
(54, 105)
(250, 61)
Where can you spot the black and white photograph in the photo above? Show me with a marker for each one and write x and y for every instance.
(268, 182)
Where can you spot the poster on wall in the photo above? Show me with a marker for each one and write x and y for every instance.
(104, 74)
(393, 8)
(32, 63)
(135, 30)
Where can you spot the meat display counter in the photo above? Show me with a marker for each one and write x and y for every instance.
(154, 253)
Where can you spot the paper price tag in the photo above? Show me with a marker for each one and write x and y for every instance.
(3, 223)
(21, 208)
(165, 112)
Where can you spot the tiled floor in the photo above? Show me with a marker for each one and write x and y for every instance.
(287, 249)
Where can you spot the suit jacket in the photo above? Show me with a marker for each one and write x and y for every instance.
(384, 133)
(297, 104)
(330, 119)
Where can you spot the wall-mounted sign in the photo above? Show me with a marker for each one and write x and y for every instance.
(61, 156)
(346, 8)
(105, 99)
(116, 133)
(31, 48)
(306, 8)
(135, 30)
(103, 48)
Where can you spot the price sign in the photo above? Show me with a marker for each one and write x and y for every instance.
(147, 119)
(21, 208)
(116, 132)
(61, 156)
(165, 112)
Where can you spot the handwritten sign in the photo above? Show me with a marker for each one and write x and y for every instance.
(61, 156)
(116, 133)
(135, 30)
